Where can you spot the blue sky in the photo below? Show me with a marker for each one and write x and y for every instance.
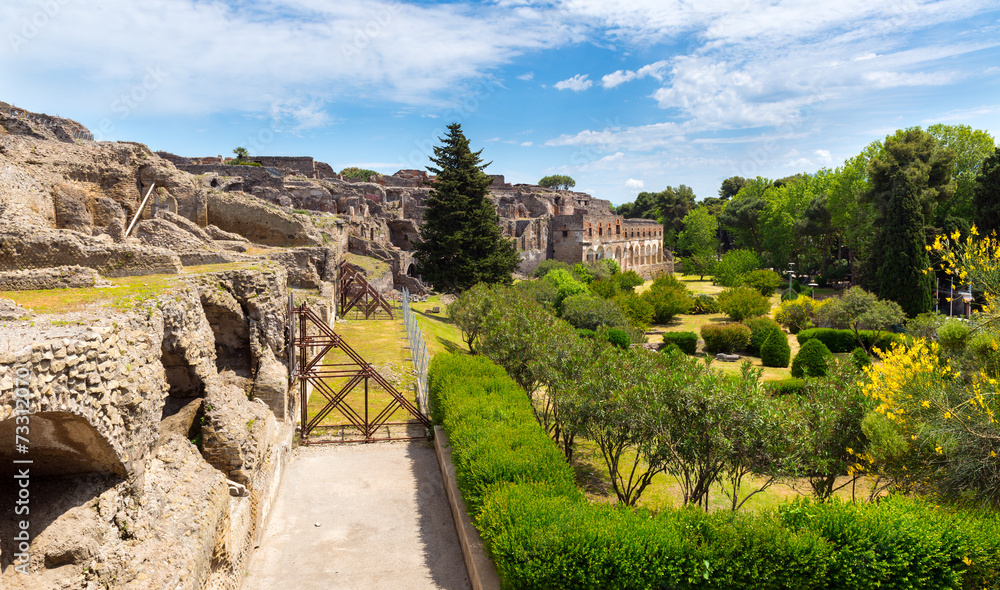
(622, 95)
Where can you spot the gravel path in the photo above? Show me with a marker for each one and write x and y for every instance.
(383, 519)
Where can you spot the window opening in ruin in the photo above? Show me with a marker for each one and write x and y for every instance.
(372, 234)
(565, 233)
(411, 271)
(618, 230)
(232, 339)
(600, 230)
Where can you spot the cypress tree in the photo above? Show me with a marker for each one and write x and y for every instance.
(908, 178)
(461, 242)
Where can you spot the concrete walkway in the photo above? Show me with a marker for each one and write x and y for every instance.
(384, 523)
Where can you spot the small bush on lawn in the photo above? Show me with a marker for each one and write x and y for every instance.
(740, 303)
(984, 348)
(726, 338)
(686, 341)
(860, 358)
(812, 360)
(775, 352)
(703, 303)
(844, 340)
(734, 266)
(760, 329)
(638, 310)
(766, 282)
(797, 314)
(791, 386)
(628, 280)
(671, 348)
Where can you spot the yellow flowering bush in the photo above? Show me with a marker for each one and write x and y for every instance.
(799, 313)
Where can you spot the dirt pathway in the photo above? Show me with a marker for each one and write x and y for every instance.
(383, 519)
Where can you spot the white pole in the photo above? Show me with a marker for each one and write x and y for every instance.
(139, 212)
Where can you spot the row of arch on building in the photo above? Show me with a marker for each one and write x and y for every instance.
(616, 230)
(626, 255)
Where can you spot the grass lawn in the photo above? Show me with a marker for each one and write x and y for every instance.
(439, 332)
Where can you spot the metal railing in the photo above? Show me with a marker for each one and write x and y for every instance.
(418, 351)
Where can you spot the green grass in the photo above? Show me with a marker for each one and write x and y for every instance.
(439, 332)
(373, 267)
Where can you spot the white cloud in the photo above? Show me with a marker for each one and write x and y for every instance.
(632, 183)
(527, 76)
(527, 144)
(656, 70)
(644, 137)
(894, 79)
(825, 158)
(577, 83)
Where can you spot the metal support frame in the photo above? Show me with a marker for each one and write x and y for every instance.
(355, 292)
(311, 369)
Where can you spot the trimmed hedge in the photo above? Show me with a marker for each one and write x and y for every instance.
(760, 329)
(729, 337)
(686, 341)
(543, 533)
(775, 352)
(813, 360)
(844, 340)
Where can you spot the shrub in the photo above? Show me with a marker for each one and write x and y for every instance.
(925, 325)
(984, 348)
(766, 282)
(797, 314)
(606, 288)
(760, 329)
(591, 311)
(669, 297)
(740, 303)
(585, 333)
(860, 358)
(726, 338)
(686, 341)
(812, 360)
(671, 348)
(618, 338)
(792, 386)
(844, 340)
(703, 303)
(640, 311)
(953, 334)
(628, 280)
(565, 285)
(545, 266)
(735, 264)
(775, 352)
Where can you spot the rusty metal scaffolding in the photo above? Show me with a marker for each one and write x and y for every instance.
(311, 369)
(357, 293)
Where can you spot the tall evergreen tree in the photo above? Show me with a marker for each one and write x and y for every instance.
(907, 179)
(461, 242)
(986, 196)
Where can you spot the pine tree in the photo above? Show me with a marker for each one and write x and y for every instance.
(986, 195)
(461, 242)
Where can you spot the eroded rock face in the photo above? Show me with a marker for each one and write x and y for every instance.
(260, 222)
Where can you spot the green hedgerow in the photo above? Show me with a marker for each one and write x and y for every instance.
(760, 329)
(812, 360)
(740, 303)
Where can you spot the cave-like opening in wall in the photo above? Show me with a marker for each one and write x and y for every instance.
(62, 443)
(185, 386)
(231, 329)
(411, 271)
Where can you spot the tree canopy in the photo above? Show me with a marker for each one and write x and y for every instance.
(359, 173)
(461, 242)
(556, 181)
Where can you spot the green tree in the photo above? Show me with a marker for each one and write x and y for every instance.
(556, 181)
(971, 147)
(461, 242)
(860, 310)
(470, 312)
(699, 234)
(740, 303)
(741, 215)
(986, 197)
(358, 173)
(908, 179)
(731, 187)
(241, 154)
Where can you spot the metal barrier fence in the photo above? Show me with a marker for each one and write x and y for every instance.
(418, 350)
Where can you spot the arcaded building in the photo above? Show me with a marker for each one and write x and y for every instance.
(635, 244)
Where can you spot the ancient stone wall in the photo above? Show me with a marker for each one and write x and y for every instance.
(59, 277)
(302, 165)
(260, 222)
